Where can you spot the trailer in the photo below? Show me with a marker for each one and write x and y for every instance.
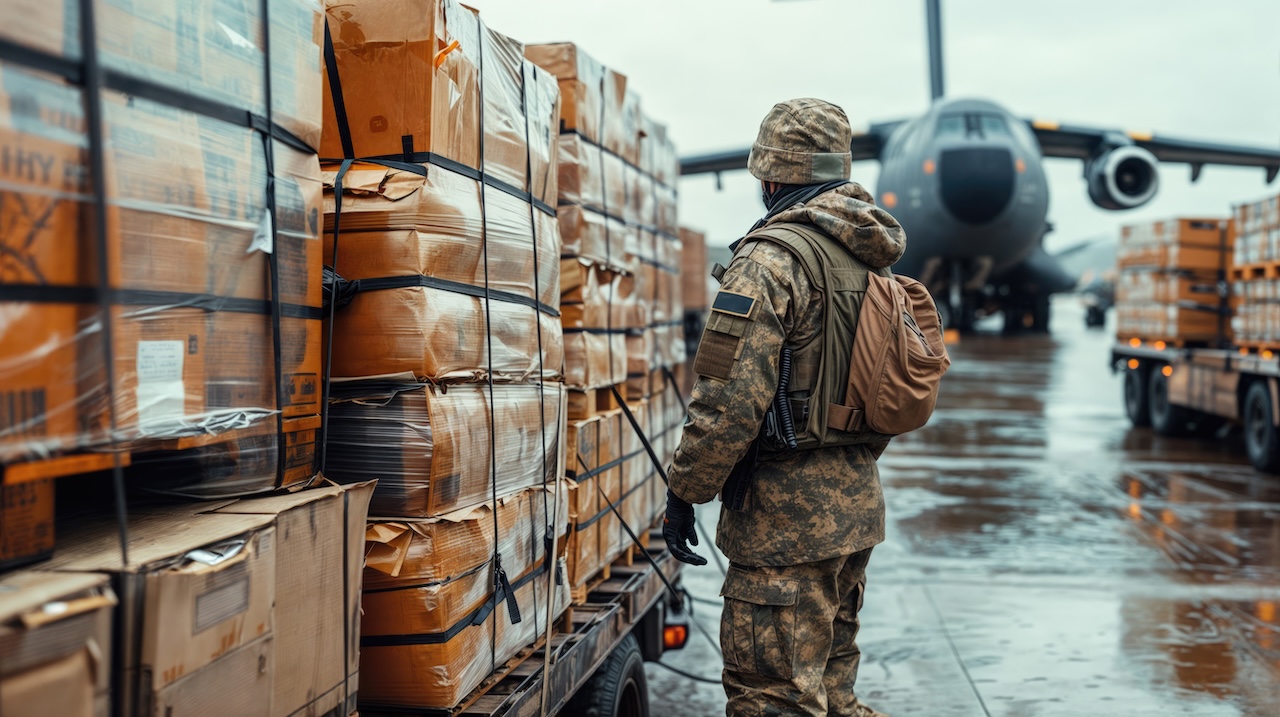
(596, 661)
(1181, 391)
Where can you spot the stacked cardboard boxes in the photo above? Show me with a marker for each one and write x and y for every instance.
(1171, 287)
(447, 354)
(247, 607)
(55, 644)
(212, 293)
(1255, 275)
(621, 304)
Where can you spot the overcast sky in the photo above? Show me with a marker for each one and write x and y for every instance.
(710, 69)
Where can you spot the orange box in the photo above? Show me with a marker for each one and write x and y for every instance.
(42, 184)
(429, 447)
(582, 85)
(26, 521)
(1186, 244)
(693, 269)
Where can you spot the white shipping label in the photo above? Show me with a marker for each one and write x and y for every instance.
(161, 394)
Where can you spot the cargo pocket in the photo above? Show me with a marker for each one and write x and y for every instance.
(722, 340)
(757, 633)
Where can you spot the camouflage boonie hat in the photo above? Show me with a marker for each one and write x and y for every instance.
(804, 141)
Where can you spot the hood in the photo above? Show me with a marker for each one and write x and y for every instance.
(849, 214)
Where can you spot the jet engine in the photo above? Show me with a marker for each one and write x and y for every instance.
(1122, 178)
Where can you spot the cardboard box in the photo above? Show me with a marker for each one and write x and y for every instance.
(433, 674)
(694, 290)
(1187, 244)
(424, 576)
(42, 178)
(26, 521)
(581, 80)
(212, 50)
(198, 586)
(397, 223)
(55, 644)
(319, 559)
(408, 75)
(429, 446)
(235, 463)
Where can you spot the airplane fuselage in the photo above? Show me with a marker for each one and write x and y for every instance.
(967, 183)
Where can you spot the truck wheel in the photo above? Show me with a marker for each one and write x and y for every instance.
(617, 689)
(1135, 397)
(1094, 316)
(1260, 434)
(1166, 418)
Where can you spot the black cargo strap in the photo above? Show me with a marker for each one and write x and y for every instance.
(335, 90)
(48, 294)
(431, 282)
(644, 440)
(475, 618)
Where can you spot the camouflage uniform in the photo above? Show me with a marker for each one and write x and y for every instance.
(800, 547)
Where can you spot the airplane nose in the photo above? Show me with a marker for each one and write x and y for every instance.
(977, 183)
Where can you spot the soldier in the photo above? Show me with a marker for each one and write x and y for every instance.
(801, 512)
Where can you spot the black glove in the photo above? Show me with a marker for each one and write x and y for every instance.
(679, 527)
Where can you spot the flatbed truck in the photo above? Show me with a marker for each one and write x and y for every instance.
(596, 665)
(1181, 391)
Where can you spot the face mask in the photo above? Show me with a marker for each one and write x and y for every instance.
(764, 197)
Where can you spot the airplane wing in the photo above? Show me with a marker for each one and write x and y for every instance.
(866, 146)
(1077, 142)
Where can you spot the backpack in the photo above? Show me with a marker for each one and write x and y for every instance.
(897, 362)
(875, 369)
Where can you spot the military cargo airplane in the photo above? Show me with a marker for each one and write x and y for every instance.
(967, 183)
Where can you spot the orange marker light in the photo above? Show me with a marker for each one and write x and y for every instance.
(1167, 370)
(674, 636)
(929, 166)
(1160, 345)
(1267, 354)
(1020, 164)
(1244, 351)
(1135, 342)
(889, 200)
(1133, 364)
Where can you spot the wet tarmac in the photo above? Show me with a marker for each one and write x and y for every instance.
(1044, 558)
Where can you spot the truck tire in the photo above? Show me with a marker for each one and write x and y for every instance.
(1166, 418)
(1261, 438)
(1135, 397)
(617, 689)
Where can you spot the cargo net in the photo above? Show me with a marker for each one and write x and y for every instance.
(159, 242)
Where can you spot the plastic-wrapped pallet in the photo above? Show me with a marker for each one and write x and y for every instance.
(1255, 275)
(1170, 284)
(189, 251)
(430, 446)
(431, 610)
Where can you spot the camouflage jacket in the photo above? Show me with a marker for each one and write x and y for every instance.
(803, 506)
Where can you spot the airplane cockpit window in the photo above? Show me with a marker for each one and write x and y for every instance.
(971, 125)
(992, 126)
(950, 126)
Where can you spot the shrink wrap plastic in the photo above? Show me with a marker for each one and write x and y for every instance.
(442, 674)
(1257, 319)
(191, 316)
(1167, 289)
(433, 581)
(429, 446)
(400, 225)
(212, 50)
(410, 76)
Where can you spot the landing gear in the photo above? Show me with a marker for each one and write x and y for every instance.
(1026, 314)
(960, 317)
(1094, 317)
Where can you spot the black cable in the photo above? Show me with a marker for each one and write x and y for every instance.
(687, 675)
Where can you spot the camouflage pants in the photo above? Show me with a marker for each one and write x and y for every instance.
(789, 637)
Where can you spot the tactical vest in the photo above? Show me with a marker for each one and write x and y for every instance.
(820, 367)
